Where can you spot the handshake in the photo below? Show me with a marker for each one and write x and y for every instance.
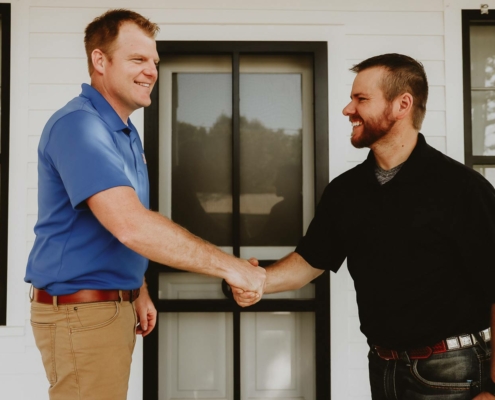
(248, 284)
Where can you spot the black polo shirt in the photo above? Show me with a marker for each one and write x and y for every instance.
(420, 248)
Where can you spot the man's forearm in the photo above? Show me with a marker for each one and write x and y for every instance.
(159, 239)
(290, 273)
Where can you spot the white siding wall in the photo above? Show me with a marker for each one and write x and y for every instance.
(48, 65)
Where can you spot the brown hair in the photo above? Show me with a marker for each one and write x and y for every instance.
(102, 32)
(404, 74)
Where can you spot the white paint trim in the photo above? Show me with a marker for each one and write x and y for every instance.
(16, 288)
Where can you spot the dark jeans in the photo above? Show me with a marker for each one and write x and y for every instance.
(454, 375)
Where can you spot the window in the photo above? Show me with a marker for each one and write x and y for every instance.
(236, 140)
(478, 38)
(4, 152)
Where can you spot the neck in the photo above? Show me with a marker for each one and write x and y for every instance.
(123, 114)
(395, 147)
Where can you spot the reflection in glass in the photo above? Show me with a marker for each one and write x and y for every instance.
(278, 350)
(189, 286)
(271, 159)
(488, 171)
(482, 43)
(201, 154)
(483, 121)
(195, 359)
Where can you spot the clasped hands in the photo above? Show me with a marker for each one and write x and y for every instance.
(253, 288)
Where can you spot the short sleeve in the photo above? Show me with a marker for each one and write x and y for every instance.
(323, 246)
(84, 153)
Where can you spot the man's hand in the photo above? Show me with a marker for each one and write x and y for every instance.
(484, 396)
(248, 279)
(246, 298)
(146, 313)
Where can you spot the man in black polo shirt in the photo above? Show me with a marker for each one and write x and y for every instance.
(418, 231)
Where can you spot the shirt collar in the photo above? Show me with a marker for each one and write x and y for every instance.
(104, 108)
(414, 166)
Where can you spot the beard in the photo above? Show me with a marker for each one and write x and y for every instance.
(372, 130)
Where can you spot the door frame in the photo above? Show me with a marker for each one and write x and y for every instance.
(320, 305)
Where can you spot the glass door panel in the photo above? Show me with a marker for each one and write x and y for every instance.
(482, 44)
(216, 350)
(276, 136)
(195, 356)
(195, 169)
(278, 355)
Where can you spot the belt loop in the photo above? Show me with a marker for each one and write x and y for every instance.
(121, 296)
(31, 293)
(403, 356)
(481, 342)
(55, 303)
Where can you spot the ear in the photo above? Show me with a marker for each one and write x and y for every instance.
(403, 105)
(99, 60)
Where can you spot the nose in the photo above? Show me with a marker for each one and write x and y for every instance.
(349, 109)
(151, 70)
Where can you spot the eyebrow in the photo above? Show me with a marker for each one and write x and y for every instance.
(353, 95)
(156, 60)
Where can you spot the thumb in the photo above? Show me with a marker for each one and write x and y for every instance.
(254, 262)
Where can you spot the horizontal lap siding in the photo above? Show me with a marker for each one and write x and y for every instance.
(57, 67)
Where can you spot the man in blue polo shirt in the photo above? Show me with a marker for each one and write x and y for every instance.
(95, 233)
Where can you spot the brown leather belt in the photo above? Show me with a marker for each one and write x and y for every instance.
(449, 344)
(85, 296)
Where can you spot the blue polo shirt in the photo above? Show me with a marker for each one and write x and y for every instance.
(84, 148)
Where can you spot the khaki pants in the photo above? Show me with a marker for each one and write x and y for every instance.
(86, 348)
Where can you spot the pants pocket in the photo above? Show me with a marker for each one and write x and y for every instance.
(44, 336)
(93, 316)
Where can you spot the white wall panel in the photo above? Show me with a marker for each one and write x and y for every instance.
(438, 142)
(51, 97)
(435, 72)
(32, 148)
(58, 71)
(436, 99)
(56, 45)
(69, 19)
(434, 124)
(37, 120)
(32, 176)
(419, 47)
(260, 5)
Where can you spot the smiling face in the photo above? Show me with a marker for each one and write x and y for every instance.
(128, 74)
(368, 111)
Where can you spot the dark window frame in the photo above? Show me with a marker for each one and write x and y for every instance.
(4, 156)
(320, 305)
(470, 18)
